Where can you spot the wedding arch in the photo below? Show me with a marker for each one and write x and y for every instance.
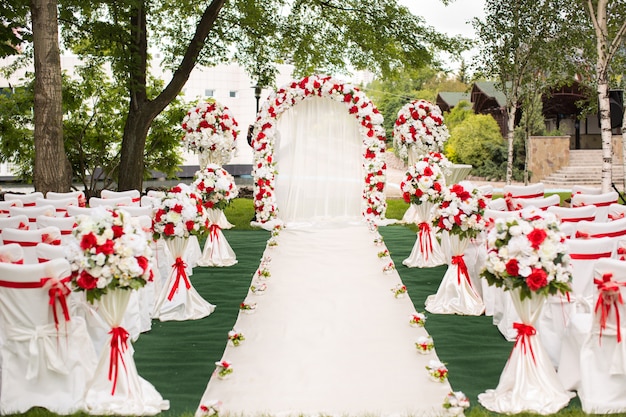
(372, 137)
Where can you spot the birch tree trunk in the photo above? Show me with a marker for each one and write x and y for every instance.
(510, 136)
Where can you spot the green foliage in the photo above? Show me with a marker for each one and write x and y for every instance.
(458, 114)
(13, 26)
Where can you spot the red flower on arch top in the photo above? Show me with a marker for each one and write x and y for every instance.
(370, 125)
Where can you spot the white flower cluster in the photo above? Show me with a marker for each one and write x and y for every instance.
(264, 134)
(528, 252)
(109, 249)
(423, 182)
(215, 185)
(210, 128)
(461, 210)
(456, 399)
(420, 124)
(179, 213)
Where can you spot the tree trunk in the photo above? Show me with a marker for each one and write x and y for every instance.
(130, 176)
(52, 171)
(624, 150)
(606, 134)
(510, 140)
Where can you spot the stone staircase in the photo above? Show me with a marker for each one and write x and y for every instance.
(585, 168)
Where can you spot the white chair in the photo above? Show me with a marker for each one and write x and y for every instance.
(15, 222)
(80, 196)
(12, 253)
(110, 202)
(46, 252)
(497, 204)
(486, 190)
(65, 224)
(542, 203)
(601, 201)
(4, 206)
(585, 189)
(27, 200)
(556, 313)
(616, 211)
(569, 216)
(514, 192)
(592, 230)
(60, 205)
(136, 211)
(28, 240)
(32, 212)
(78, 211)
(602, 386)
(135, 195)
(48, 359)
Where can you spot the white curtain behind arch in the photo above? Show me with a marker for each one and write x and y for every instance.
(319, 158)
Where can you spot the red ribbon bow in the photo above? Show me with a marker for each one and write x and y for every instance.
(462, 269)
(119, 344)
(46, 238)
(179, 266)
(616, 216)
(214, 229)
(524, 331)
(609, 295)
(58, 291)
(426, 243)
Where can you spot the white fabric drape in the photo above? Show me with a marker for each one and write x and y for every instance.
(319, 157)
(126, 393)
(427, 251)
(178, 299)
(456, 294)
(217, 251)
(528, 381)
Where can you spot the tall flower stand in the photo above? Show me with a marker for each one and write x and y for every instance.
(456, 294)
(528, 382)
(217, 251)
(178, 299)
(116, 387)
(427, 251)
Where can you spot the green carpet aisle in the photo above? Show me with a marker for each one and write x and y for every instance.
(178, 357)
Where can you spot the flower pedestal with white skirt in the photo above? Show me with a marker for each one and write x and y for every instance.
(217, 251)
(528, 382)
(116, 387)
(427, 251)
(456, 294)
(178, 299)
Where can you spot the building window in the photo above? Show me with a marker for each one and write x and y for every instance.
(232, 94)
(209, 92)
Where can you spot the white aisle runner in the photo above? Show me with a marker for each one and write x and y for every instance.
(328, 336)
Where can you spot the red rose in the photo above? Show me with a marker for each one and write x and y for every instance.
(536, 237)
(86, 281)
(437, 187)
(168, 229)
(159, 213)
(419, 193)
(406, 197)
(428, 171)
(176, 189)
(106, 248)
(537, 279)
(88, 241)
(512, 268)
(117, 231)
(177, 208)
(143, 263)
(189, 224)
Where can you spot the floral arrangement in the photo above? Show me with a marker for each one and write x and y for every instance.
(258, 289)
(215, 186)
(378, 239)
(437, 370)
(399, 291)
(439, 159)
(223, 368)
(423, 183)
(210, 127)
(370, 125)
(420, 124)
(461, 211)
(456, 399)
(248, 308)
(528, 252)
(179, 212)
(235, 337)
(417, 319)
(210, 409)
(383, 254)
(424, 344)
(389, 268)
(263, 272)
(109, 250)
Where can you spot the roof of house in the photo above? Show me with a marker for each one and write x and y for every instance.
(488, 88)
(451, 99)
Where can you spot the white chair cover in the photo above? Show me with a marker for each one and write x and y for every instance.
(46, 360)
(60, 205)
(27, 200)
(497, 204)
(528, 381)
(456, 293)
(46, 252)
(514, 192)
(217, 251)
(569, 216)
(111, 202)
(559, 309)
(77, 211)
(28, 240)
(135, 195)
(486, 190)
(601, 201)
(427, 251)
(178, 299)
(585, 189)
(117, 387)
(11, 253)
(603, 353)
(32, 212)
(19, 221)
(541, 202)
(136, 211)
(593, 230)
(65, 224)
(616, 211)
(52, 195)
(4, 206)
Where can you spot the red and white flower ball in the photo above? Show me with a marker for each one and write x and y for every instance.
(423, 182)
(420, 124)
(461, 210)
(179, 212)
(215, 186)
(210, 127)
